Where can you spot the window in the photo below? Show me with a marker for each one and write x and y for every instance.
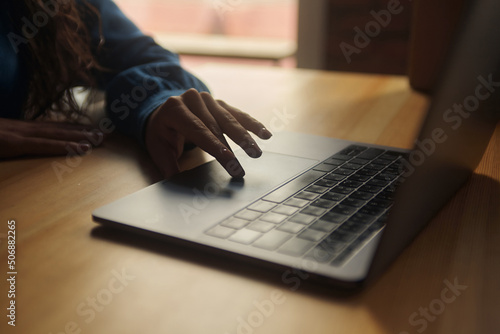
(241, 31)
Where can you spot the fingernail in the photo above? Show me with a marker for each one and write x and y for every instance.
(228, 153)
(232, 165)
(99, 137)
(253, 150)
(84, 148)
(95, 137)
(265, 134)
(234, 169)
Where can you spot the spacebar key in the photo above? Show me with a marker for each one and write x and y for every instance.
(292, 187)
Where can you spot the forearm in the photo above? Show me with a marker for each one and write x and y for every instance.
(137, 74)
(135, 93)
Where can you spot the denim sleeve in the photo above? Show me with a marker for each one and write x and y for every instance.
(137, 74)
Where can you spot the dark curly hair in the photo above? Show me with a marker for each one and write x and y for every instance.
(58, 57)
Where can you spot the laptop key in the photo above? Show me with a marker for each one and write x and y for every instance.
(309, 196)
(320, 255)
(382, 161)
(352, 227)
(342, 190)
(367, 172)
(291, 227)
(386, 195)
(390, 155)
(332, 196)
(248, 215)
(272, 240)
(286, 210)
(359, 161)
(323, 203)
(353, 166)
(262, 206)
(362, 218)
(361, 195)
(351, 183)
(274, 218)
(366, 234)
(342, 157)
(394, 169)
(324, 167)
(297, 202)
(370, 189)
(220, 232)
(383, 203)
(323, 226)
(344, 209)
(342, 257)
(375, 166)
(385, 176)
(261, 226)
(357, 203)
(343, 171)
(313, 211)
(312, 235)
(289, 189)
(317, 189)
(372, 210)
(326, 183)
(245, 236)
(296, 247)
(339, 235)
(359, 177)
(335, 177)
(302, 219)
(377, 183)
(362, 238)
(371, 153)
(380, 221)
(353, 150)
(325, 251)
(335, 162)
(333, 217)
(235, 223)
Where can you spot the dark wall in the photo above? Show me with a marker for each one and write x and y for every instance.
(368, 36)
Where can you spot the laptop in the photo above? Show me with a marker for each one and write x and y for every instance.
(340, 211)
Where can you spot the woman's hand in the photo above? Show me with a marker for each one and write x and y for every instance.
(33, 138)
(199, 119)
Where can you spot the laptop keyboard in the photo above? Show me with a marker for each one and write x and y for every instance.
(325, 214)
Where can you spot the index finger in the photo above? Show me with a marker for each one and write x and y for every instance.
(232, 127)
(196, 131)
(247, 121)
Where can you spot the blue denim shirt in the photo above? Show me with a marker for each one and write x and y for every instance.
(140, 75)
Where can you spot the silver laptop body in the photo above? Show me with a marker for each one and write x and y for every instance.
(207, 209)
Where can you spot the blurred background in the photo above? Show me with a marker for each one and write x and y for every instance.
(260, 32)
(286, 33)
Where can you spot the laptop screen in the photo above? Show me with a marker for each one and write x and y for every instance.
(461, 119)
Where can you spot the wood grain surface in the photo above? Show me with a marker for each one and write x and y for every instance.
(76, 277)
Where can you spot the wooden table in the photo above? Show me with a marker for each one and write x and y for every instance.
(76, 277)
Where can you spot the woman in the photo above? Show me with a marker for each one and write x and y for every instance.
(48, 47)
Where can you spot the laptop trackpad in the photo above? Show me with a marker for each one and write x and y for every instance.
(196, 199)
